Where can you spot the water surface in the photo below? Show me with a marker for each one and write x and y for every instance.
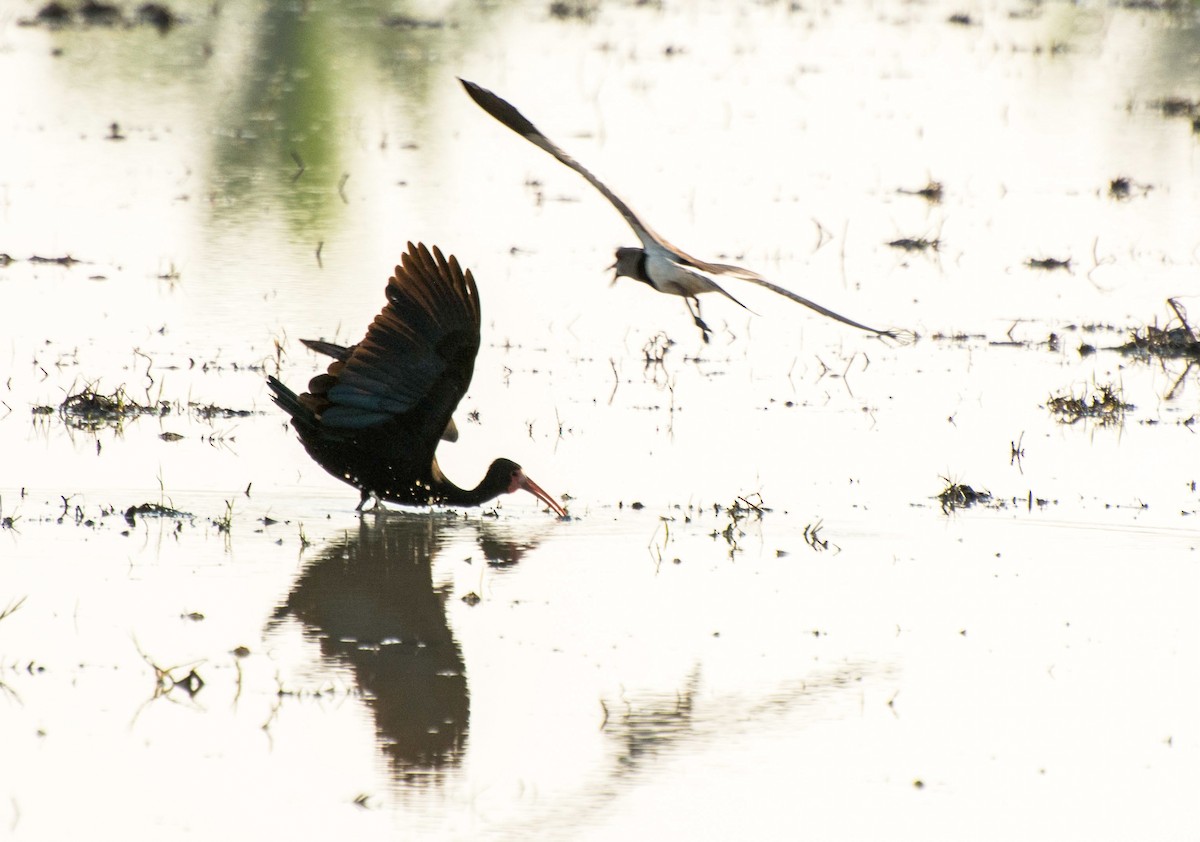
(847, 662)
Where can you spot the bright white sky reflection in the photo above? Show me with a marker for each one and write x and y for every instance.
(1016, 671)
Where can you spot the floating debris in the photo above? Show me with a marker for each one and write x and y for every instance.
(812, 537)
(1155, 5)
(958, 496)
(1106, 406)
(410, 23)
(158, 16)
(52, 14)
(154, 510)
(100, 14)
(65, 260)
(1121, 188)
(959, 336)
(931, 192)
(209, 411)
(1048, 263)
(94, 13)
(1175, 106)
(584, 10)
(1151, 341)
(90, 410)
(742, 508)
(1169, 342)
(916, 244)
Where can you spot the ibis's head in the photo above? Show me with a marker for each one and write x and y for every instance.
(505, 476)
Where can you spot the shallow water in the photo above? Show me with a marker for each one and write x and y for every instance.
(847, 663)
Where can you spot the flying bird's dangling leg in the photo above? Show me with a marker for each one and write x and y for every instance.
(704, 329)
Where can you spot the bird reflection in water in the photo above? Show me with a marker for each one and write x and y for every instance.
(371, 603)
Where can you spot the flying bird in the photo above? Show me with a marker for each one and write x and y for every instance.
(375, 418)
(665, 267)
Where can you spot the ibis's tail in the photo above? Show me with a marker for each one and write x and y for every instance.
(290, 402)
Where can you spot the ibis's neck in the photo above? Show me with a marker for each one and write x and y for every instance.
(450, 494)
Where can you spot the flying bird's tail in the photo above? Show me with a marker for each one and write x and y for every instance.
(718, 288)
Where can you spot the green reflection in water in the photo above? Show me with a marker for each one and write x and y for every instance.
(282, 134)
(280, 142)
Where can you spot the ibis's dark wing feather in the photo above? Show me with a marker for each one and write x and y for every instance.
(322, 383)
(505, 113)
(338, 352)
(416, 361)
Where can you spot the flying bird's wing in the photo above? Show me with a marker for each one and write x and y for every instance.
(901, 336)
(507, 114)
(753, 277)
(416, 361)
(504, 112)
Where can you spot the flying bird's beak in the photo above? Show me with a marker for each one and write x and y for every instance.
(613, 268)
(520, 481)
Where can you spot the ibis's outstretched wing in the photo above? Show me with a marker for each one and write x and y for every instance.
(411, 369)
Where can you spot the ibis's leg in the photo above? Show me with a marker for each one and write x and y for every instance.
(704, 330)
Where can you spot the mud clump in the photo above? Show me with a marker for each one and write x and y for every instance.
(154, 510)
(960, 496)
(1105, 406)
(90, 410)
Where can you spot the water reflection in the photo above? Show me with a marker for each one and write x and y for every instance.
(282, 120)
(647, 726)
(371, 602)
(653, 724)
(284, 134)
